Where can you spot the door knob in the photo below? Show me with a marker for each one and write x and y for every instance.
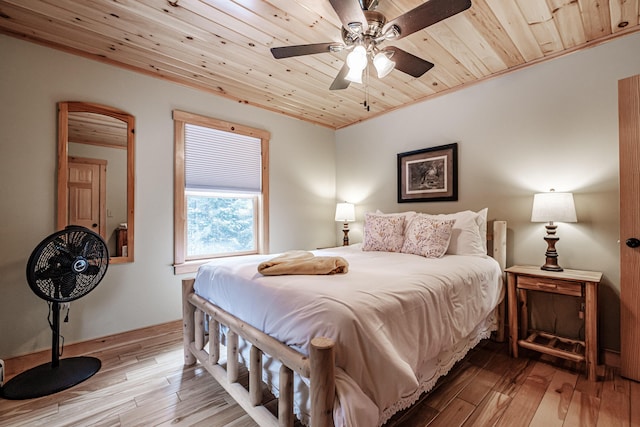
(95, 225)
(632, 242)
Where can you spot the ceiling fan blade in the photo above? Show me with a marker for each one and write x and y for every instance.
(303, 49)
(349, 11)
(428, 13)
(340, 82)
(408, 63)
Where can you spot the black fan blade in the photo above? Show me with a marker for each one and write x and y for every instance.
(340, 82)
(426, 14)
(302, 49)
(53, 272)
(408, 63)
(349, 11)
(79, 242)
(92, 270)
(66, 284)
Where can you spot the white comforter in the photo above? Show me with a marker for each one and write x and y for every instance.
(391, 316)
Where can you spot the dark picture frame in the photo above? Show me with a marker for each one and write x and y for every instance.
(428, 175)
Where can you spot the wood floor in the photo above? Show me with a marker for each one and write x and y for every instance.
(144, 383)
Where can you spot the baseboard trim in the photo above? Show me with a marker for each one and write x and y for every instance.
(610, 358)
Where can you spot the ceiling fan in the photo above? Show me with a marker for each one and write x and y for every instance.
(365, 30)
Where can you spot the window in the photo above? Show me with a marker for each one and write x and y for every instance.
(221, 190)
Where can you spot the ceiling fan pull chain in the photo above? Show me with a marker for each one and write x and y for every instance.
(367, 106)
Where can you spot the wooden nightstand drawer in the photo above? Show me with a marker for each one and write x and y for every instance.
(556, 286)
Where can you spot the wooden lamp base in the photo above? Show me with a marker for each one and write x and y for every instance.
(345, 239)
(551, 260)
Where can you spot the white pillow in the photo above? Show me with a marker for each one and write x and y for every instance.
(383, 232)
(427, 236)
(466, 237)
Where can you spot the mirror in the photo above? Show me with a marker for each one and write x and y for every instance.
(96, 174)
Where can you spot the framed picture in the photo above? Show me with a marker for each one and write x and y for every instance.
(428, 175)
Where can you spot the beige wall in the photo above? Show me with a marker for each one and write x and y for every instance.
(554, 125)
(33, 79)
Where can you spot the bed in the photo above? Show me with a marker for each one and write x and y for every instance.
(345, 349)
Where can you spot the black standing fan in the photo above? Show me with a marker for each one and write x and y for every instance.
(63, 267)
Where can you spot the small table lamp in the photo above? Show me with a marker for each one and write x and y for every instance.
(552, 207)
(346, 213)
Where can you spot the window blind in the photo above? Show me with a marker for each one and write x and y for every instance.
(223, 161)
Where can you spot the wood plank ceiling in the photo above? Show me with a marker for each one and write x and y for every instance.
(222, 46)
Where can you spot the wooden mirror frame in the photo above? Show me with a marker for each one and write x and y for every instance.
(64, 108)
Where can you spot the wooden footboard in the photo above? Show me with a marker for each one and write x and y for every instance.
(319, 367)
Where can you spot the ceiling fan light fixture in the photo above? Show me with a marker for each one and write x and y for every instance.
(383, 64)
(357, 59)
(354, 75)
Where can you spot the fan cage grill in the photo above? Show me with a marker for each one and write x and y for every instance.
(68, 264)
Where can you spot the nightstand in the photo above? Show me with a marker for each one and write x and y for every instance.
(581, 284)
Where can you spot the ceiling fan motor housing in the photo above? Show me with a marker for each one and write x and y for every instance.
(369, 36)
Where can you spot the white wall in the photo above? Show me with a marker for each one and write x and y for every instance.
(553, 125)
(146, 292)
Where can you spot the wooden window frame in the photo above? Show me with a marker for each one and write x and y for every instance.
(180, 119)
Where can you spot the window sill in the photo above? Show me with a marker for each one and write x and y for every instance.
(188, 267)
(192, 266)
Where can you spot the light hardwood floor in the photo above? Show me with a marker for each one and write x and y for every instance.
(144, 383)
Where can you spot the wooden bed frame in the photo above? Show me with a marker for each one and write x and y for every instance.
(319, 366)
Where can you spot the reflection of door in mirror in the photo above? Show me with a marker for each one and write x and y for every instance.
(87, 182)
(95, 151)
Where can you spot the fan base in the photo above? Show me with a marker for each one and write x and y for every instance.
(44, 380)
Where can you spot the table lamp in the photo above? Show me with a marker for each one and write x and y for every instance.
(553, 207)
(346, 213)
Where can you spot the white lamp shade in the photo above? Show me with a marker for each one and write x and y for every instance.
(357, 58)
(383, 64)
(345, 212)
(354, 75)
(357, 62)
(552, 206)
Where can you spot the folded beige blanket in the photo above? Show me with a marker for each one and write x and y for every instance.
(303, 262)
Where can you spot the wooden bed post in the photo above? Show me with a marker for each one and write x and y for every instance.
(500, 255)
(323, 384)
(285, 401)
(500, 243)
(188, 322)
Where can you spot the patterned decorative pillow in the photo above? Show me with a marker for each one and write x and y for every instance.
(427, 236)
(383, 233)
(407, 217)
